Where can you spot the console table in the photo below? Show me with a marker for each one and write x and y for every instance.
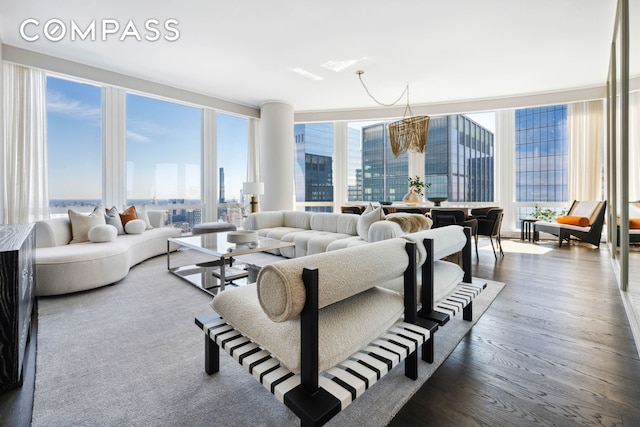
(17, 284)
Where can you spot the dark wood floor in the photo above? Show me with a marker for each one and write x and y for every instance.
(554, 349)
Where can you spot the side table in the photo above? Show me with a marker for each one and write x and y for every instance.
(526, 228)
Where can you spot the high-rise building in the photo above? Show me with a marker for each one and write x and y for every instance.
(222, 196)
(314, 163)
(458, 162)
(542, 159)
(384, 177)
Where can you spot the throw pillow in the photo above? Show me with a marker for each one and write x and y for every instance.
(580, 221)
(634, 223)
(112, 217)
(135, 226)
(366, 220)
(143, 215)
(368, 209)
(103, 233)
(128, 215)
(82, 223)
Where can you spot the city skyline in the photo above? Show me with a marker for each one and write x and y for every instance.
(163, 145)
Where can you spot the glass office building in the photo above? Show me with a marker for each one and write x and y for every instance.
(384, 177)
(542, 159)
(458, 162)
(313, 170)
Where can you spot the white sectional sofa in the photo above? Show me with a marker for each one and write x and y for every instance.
(63, 268)
(320, 232)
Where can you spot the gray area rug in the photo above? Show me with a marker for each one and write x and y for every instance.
(130, 354)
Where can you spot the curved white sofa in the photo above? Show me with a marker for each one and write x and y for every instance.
(63, 268)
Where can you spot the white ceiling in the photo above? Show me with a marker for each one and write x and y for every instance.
(245, 50)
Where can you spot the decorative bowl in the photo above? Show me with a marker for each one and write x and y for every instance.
(437, 200)
(384, 203)
(242, 236)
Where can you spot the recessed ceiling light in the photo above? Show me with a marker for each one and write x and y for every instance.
(306, 73)
(338, 66)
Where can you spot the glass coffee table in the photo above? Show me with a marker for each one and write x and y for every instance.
(208, 265)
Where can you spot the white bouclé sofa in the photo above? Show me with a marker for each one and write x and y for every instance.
(315, 233)
(63, 268)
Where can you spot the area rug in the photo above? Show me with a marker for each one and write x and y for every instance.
(130, 355)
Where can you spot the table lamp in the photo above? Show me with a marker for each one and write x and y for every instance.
(254, 189)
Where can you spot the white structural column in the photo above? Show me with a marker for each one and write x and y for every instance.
(340, 165)
(114, 147)
(276, 156)
(416, 166)
(505, 167)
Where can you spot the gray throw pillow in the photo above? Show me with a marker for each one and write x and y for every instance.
(112, 217)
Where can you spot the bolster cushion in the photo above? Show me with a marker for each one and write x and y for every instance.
(580, 221)
(446, 241)
(281, 291)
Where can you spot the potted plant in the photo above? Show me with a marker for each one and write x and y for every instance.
(546, 214)
(416, 187)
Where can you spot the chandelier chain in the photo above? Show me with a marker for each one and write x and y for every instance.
(405, 91)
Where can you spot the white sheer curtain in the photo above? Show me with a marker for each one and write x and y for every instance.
(253, 152)
(586, 139)
(25, 149)
(634, 146)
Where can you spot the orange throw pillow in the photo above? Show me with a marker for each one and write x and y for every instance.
(581, 221)
(634, 223)
(128, 215)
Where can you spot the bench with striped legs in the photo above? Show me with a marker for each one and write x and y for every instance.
(316, 397)
(459, 299)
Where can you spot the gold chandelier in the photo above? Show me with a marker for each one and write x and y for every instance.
(409, 133)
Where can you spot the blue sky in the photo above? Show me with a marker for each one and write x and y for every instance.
(74, 135)
(163, 145)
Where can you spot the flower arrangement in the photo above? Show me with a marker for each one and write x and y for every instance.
(417, 185)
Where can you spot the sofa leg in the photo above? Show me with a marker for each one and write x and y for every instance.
(211, 356)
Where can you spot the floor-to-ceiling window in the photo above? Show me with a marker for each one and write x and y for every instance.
(541, 158)
(163, 147)
(74, 144)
